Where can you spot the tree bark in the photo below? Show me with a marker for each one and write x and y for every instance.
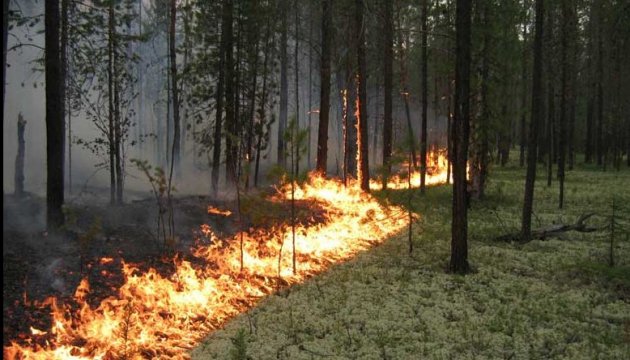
(459, 225)
(536, 116)
(324, 108)
(110, 100)
(19, 158)
(175, 156)
(425, 104)
(54, 118)
(284, 90)
(226, 18)
(388, 47)
(230, 117)
(362, 124)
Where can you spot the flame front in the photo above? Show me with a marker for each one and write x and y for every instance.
(155, 316)
(437, 173)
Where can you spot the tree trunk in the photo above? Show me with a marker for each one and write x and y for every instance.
(284, 90)
(425, 104)
(362, 124)
(110, 99)
(310, 87)
(297, 79)
(5, 36)
(459, 226)
(175, 156)
(565, 101)
(226, 20)
(230, 116)
(388, 47)
(54, 118)
(523, 132)
(19, 158)
(537, 115)
(324, 108)
(600, 90)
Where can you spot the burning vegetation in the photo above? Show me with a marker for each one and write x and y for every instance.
(152, 315)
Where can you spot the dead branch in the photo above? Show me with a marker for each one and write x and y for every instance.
(553, 230)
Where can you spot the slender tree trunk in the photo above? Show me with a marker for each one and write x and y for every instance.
(537, 115)
(5, 37)
(362, 124)
(263, 103)
(297, 78)
(405, 95)
(54, 118)
(523, 132)
(449, 131)
(64, 70)
(459, 226)
(230, 112)
(175, 156)
(600, 90)
(425, 90)
(565, 99)
(110, 98)
(226, 21)
(310, 87)
(324, 108)
(19, 158)
(551, 131)
(388, 47)
(284, 90)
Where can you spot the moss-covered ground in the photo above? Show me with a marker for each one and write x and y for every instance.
(557, 298)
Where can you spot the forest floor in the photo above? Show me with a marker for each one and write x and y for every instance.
(97, 239)
(556, 298)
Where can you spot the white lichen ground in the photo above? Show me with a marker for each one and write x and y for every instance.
(546, 299)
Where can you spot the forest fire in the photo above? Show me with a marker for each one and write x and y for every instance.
(153, 316)
(437, 173)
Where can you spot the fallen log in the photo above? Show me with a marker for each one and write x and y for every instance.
(553, 230)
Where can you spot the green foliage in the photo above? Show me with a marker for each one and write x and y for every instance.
(239, 343)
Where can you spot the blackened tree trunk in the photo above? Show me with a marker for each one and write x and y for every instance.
(54, 118)
(388, 48)
(110, 99)
(523, 132)
(284, 90)
(252, 40)
(459, 225)
(19, 158)
(425, 104)
(230, 117)
(537, 115)
(175, 156)
(324, 107)
(297, 79)
(226, 19)
(362, 133)
(600, 89)
(5, 36)
(566, 98)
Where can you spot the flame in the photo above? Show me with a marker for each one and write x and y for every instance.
(437, 163)
(106, 260)
(154, 316)
(215, 211)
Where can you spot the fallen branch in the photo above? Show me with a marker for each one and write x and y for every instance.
(553, 230)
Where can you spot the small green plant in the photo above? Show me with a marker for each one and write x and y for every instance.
(239, 346)
(162, 188)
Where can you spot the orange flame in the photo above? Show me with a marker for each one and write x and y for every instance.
(215, 211)
(437, 163)
(153, 316)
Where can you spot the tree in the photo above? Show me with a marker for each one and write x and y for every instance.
(226, 21)
(459, 225)
(425, 105)
(175, 155)
(388, 49)
(362, 134)
(284, 88)
(324, 107)
(54, 118)
(536, 116)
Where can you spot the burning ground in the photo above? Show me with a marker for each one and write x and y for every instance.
(151, 306)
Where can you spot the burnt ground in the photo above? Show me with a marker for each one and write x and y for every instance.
(38, 264)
